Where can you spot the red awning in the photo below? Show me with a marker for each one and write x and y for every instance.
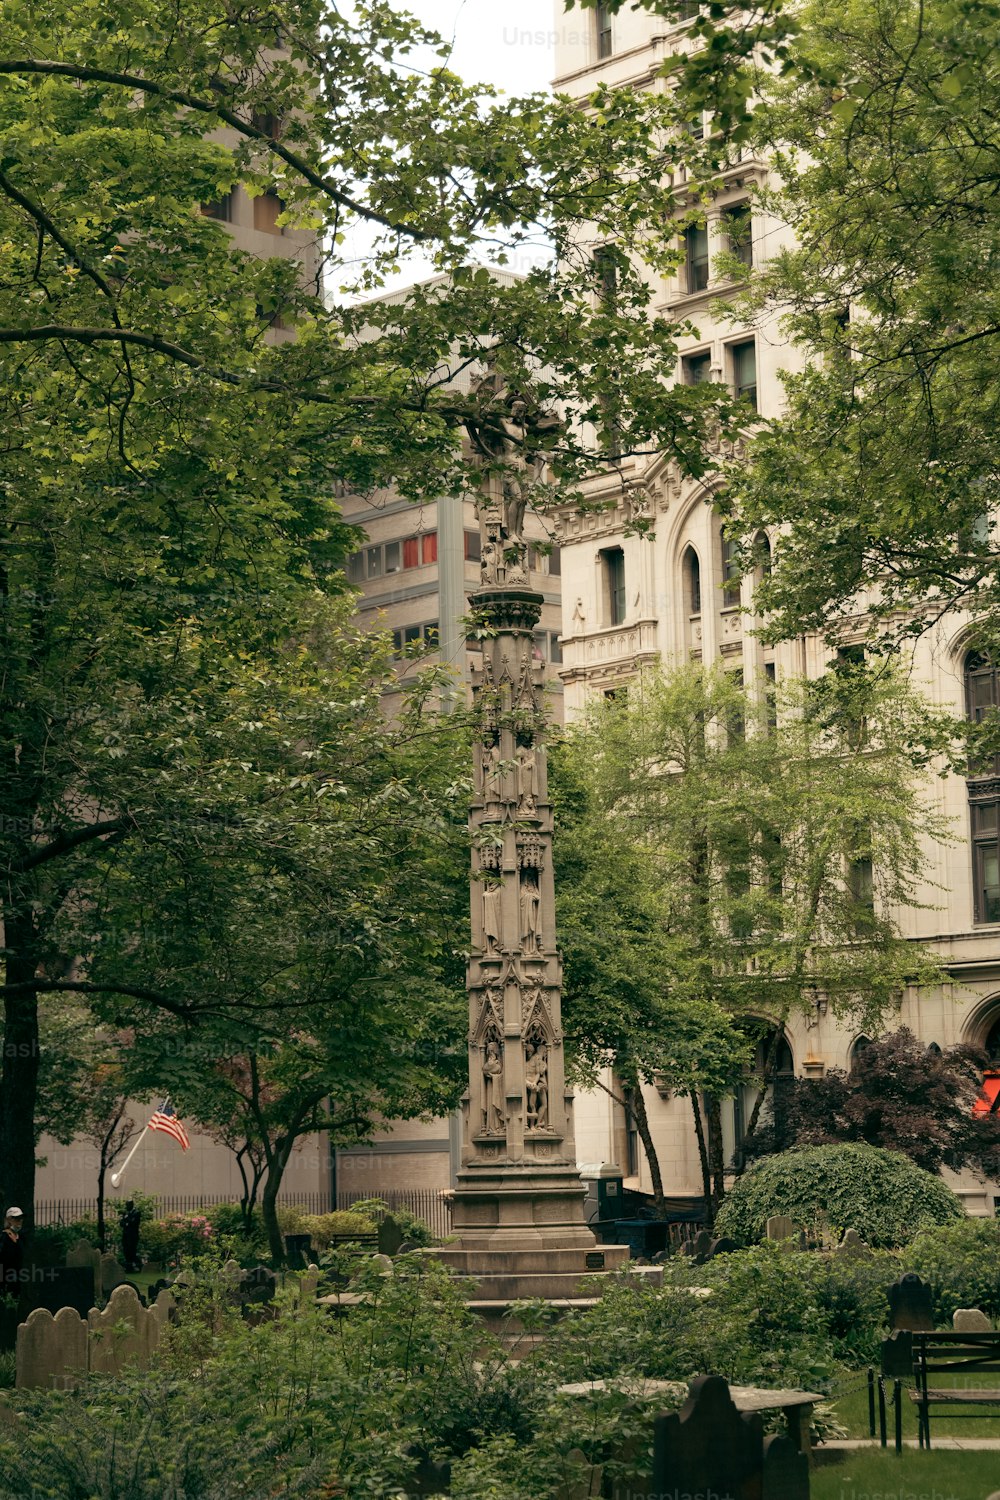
(991, 1093)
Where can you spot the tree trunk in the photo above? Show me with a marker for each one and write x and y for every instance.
(636, 1106)
(716, 1152)
(277, 1161)
(101, 1236)
(19, 1086)
(706, 1175)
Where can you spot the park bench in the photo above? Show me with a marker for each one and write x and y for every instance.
(939, 1356)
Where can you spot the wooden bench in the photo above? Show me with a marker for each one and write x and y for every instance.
(949, 1354)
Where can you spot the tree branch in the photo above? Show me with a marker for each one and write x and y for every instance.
(64, 842)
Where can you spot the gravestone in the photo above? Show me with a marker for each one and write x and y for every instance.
(852, 1245)
(112, 1274)
(699, 1246)
(162, 1285)
(779, 1227)
(382, 1264)
(54, 1287)
(721, 1247)
(51, 1351)
(309, 1285)
(911, 1304)
(897, 1354)
(259, 1285)
(971, 1320)
(123, 1334)
(83, 1253)
(138, 1293)
(390, 1236)
(164, 1308)
(785, 1472)
(708, 1446)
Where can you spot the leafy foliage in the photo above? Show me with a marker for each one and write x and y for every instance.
(900, 1095)
(962, 1264)
(881, 1194)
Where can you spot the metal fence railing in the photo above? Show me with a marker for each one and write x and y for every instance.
(429, 1204)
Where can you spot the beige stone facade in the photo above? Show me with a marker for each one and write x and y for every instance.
(630, 600)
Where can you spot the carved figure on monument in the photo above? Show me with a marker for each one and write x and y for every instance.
(536, 1078)
(531, 901)
(527, 778)
(493, 1090)
(493, 774)
(493, 568)
(492, 918)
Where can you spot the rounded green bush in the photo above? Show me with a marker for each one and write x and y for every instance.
(962, 1264)
(881, 1194)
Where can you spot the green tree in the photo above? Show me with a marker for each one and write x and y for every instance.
(774, 857)
(169, 459)
(883, 470)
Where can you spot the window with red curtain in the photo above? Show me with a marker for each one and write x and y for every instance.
(411, 552)
(429, 548)
(987, 1103)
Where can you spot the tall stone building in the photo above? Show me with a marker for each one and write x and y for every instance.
(677, 596)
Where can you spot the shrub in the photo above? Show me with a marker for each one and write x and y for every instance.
(962, 1264)
(881, 1194)
(323, 1229)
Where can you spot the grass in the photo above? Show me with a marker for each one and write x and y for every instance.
(853, 1413)
(912, 1476)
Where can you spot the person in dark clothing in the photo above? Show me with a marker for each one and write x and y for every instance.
(130, 1237)
(11, 1249)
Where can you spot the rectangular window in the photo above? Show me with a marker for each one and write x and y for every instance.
(770, 696)
(744, 358)
(696, 257)
(373, 562)
(411, 634)
(602, 23)
(613, 568)
(411, 552)
(356, 568)
(392, 557)
(730, 573)
(538, 646)
(860, 882)
(266, 211)
(429, 547)
(397, 642)
(220, 208)
(473, 546)
(555, 649)
(736, 718)
(985, 818)
(696, 369)
(738, 223)
(555, 563)
(431, 634)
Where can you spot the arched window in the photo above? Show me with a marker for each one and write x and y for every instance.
(991, 1046)
(691, 571)
(858, 1052)
(982, 696)
(762, 554)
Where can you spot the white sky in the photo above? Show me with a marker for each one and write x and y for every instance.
(507, 44)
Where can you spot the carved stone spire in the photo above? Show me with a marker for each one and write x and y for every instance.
(518, 1186)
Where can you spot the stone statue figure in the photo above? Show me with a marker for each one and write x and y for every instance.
(493, 1092)
(492, 919)
(527, 777)
(531, 901)
(493, 774)
(536, 1077)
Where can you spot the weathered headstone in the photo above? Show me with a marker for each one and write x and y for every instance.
(708, 1446)
(112, 1274)
(785, 1472)
(382, 1263)
(852, 1245)
(124, 1333)
(259, 1285)
(298, 1251)
(164, 1307)
(779, 1227)
(699, 1246)
(971, 1320)
(897, 1354)
(83, 1253)
(390, 1236)
(309, 1285)
(51, 1351)
(911, 1304)
(722, 1246)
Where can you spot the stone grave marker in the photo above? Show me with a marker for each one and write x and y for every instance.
(382, 1264)
(852, 1245)
(309, 1285)
(83, 1253)
(298, 1251)
(911, 1304)
(164, 1308)
(779, 1227)
(971, 1320)
(708, 1446)
(51, 1351)
(390, 1236)
(112, 1274)
(785, 1471)
(123, 1333)
(699, 1246)
(897, 1354)
(722, 1246)
(259, 1285)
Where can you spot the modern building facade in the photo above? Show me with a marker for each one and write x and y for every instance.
(676, 595)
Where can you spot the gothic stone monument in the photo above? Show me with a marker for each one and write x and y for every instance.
(518, 1206)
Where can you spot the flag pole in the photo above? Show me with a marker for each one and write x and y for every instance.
(116, 1177)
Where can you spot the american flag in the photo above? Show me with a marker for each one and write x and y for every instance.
(165, 1118)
